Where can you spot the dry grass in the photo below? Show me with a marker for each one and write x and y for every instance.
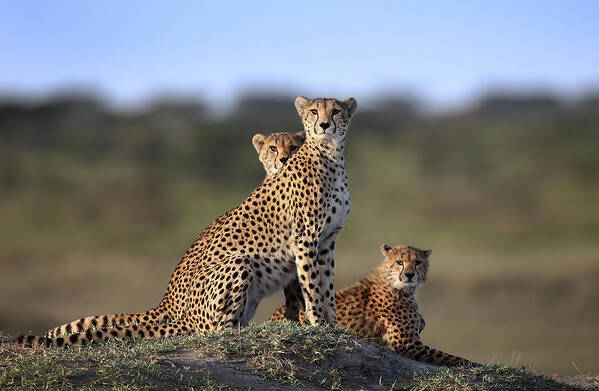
(266, 356)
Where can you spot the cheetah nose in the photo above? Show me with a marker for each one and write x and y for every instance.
(324, 125)
(284, 159)
(409, 275)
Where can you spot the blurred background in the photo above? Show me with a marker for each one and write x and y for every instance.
(125, 129)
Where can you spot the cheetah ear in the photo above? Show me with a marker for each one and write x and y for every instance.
(301, 135)
(300, 104)
(386, 250)
(351, 105)
(428, 252)
(258, 141)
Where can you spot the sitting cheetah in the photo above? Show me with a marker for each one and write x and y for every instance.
(273, 151)
(382, 307)
(285, 228)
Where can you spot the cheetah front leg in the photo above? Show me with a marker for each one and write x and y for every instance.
(326, 264)
(405, 340)
(310, 279)
(294, 301)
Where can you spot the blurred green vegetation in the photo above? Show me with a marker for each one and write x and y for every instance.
(99, 202)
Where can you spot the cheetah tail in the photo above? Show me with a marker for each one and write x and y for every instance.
(424, 353)
(155, 315)
(143, 331)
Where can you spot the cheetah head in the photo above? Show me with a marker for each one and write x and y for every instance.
(325, 118)
(275, 149)
(407, 265)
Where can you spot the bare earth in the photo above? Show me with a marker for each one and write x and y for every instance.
(364, 368)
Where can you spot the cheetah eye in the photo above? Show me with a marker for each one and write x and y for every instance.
(400, 263)
(418, 262)
(335, 111)
(273, 148)
(314, 111)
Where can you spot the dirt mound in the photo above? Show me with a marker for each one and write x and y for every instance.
(268, 356)
(365, 367)
(585, 382)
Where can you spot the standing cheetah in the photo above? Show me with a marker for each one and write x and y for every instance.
(285, 228)
(382, 307)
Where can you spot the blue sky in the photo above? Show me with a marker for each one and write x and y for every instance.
(446, 51)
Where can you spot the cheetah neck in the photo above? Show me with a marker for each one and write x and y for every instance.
(330, 148)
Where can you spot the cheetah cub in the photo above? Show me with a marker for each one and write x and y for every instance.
(382, 307)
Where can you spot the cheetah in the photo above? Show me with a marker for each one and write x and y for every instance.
(285, 229)
(274, 150)
(382, 307)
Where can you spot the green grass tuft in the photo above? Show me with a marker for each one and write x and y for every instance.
(126, 365)
(485, 378)
(284, 352)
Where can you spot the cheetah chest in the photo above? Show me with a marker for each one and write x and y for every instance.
(337, 205)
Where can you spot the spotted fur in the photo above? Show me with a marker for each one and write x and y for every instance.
(383, 308)
(284, 229)
(275, 149)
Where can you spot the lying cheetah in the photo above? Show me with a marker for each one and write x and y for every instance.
(285, 228)
(382, 307)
